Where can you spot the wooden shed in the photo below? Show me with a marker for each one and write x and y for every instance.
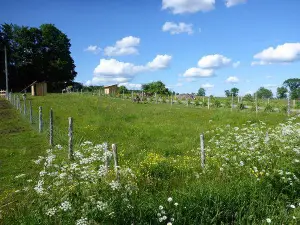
(112, 89)
(39, 89)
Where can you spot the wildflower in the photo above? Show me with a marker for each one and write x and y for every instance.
(241, 163)
(294, 217)
(59, 147)
(164, 218)
(51, 212)
(293, 206)
(161, 207)
(268, 220)
(101, 205)
(82, 221)
(169, 223)
(65, 206)
(170, 199)
(158, 214)
(172, 219)
(114, 185)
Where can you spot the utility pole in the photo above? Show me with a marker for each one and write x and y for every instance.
(6, 72)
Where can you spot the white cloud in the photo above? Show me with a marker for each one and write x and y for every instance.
(179, 84)
(174, 28)
(214, 61)
(125, 46)
(198, 72)
(188, 6)
(230, 3)
(93, 48)
(286, 53)
(114, 71)
(160, 62)
(207, 86)
(271, 85)
(236, 64)
(131, 86)
(232, 80)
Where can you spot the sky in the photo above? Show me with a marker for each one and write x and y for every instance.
(187, 44)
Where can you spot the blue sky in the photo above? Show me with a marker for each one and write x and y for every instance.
(187, 44)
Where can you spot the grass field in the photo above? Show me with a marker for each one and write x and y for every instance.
(160, 143)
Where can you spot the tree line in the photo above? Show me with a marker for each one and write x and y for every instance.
(36, 54)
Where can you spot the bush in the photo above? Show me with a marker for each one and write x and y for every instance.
(241, 106)
(269, 108)
(217, 103)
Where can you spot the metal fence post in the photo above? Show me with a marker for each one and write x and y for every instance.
(40, 119)
(51, 128)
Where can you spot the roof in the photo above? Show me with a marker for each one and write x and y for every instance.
(110, 86)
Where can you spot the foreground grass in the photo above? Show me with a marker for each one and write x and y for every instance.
(19, 144)
(160, 143)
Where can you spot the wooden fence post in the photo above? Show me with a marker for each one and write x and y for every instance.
(106, 158)
(202, 150)
(208, 103)
(30, 112)
(131, 95)
(115, 154)
(51, 128)
(231, 102)
(24, 99)
(267, 137)
(71, 155)
(294, 103)
(256, 105)
(40, 119)
(289, 105)
(156, 97)
(268, 101)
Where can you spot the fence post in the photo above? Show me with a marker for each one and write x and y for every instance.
(106, 157)
(123, 94)
(24, 99)
(40, 119)
(71, 155)
(20, 107)
(115, 154)
(231, 102)
(81, 91)
(294, 103)
(30, 112)
(267, 137)
(202, 150)
(131, 95)
(256, 105)
(208, 103)
(171, 99)
(155, 97)
(289, 105)
(51, 128)
(268, 101)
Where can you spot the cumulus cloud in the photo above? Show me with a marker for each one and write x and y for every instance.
(131, 86)
(214, 61)
(230, 3)
(114, 71)
(174, 28)
(232, 80)
(207, 86)
(236, 64)
(188, 6)
(286, 53)
(93, 48)
(198, 72)
(125, 46)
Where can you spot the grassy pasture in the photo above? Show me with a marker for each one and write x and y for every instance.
(160, 143)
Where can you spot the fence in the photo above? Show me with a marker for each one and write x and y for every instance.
(257, 105)
(44, 123)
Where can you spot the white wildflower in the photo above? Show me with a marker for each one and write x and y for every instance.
(114, 185)
(82, 221)
(101, 205)
(51, 212)
(65, 206)
(268, 220)
(161, 207)
(293, 206)
(170, 199)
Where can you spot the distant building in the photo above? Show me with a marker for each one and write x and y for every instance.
(112, 89)
(39, 89)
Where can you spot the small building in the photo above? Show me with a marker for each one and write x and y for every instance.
(112, 89)
(39, 89)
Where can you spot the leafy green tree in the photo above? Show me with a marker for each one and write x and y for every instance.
(294, 85)
(36, 54)
(201, 92)
(264, 93)
(248, 97)
(282, 92)
(234, 91)
(156, 87)
(122, 89)
(227, 93)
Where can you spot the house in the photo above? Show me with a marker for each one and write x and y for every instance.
(112, 89)
(39, 89)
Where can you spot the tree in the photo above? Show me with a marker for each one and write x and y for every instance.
(155, 87)
(234, 91)
(294, 85)
(201, 92)
(123, 89)
(264, 93)
(248, 97)
(37, 54)
(282, 92)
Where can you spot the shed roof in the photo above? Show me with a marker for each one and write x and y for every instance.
(110, 86)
